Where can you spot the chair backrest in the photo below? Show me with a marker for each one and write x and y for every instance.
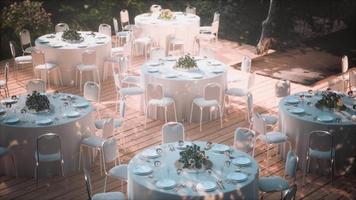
(37, 85)
(352, 77)
(87, 179)
(92, 91)
(155, 8)
(246, 64)
(116, 24)
(6, 72)
(216, 16)
(60, 27)
(259, 125)
(290, 193)
(215, 27)
(154, 91)
(25, 37)
(89, 57)
(206, 52)
(321, 141)
(117, 78)
(244, 139)
(282, 88)
(110, 151)
(191, 10)
(38, 58)
(157, 54)
(124, 17)
(336, 84)
(250, 107)
(105, 29)
(344, 64)
(213, 91)
(172, 132)
(48, 144)
(108, 128)
(290, 168)
(12, 49)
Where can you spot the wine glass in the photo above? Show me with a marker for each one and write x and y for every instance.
(302, 96)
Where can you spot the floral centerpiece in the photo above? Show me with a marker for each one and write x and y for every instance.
(194, 158)
(37, 102)
(330, 100)
(166, 14)
(186, 63)
(72, 36)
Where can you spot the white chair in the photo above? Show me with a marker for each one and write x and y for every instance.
(48, 149)
(37, 85)
(271, 184)
(212, 97)
(172, 132)
(207, 52)
(40, 66)
(105, 29)
(157, 54)
(61, 27)
(92, 91)
(336, 84)
(25, 39)
(120, 35)
(344, 64)
(208, 28)
(111, 154)
(140, 41)
(125, 20)
(88, 65)
(212, 35)
(155, 97)
(19, 60)
(155, 8)
(269, 138)
(175, 43)
(6, 152)
(269, 119)
(245, 140)
(191, 10)
(100, 196)
(352, 78)
(246, 64)
(95, 142)
(3, 83)
(320, 147)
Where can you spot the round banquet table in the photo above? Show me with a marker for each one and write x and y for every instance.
(183, 26)
(70, 118)
(145, 186)
(298, 127)
(69, 55)
(184, 86)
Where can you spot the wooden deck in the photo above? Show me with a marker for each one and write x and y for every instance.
(137, 137)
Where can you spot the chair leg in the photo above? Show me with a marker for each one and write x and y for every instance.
(80, 156)
(76, 77)
(106, 177)
(165, 114)
(221, 121)
(332, 166)
(175, 110)
(60, 76)
(201, 118)
(267, 158)
(306, 168)
(36, 173)
(62, 167)
(14, 163)
(146, 115)
(191, 112)
(100, 161)
(80, 80)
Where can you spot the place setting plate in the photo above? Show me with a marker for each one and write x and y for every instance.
(297, 110)
(182, 145)
(80, 104)
(99, 42)
(241, 161)
(9, 100)
(56, 45)
(11, 120)
(217, 71)
(82, 46)
(237, 176)
(150, 153)
(142, 170)
(153, 63)
(166, 184)
(171, 75)
(72, 114)
(220, 148)
(44, 121)
(197, 76)
(2, 111)
(152, 70)
(292, 100)
(325, 118)
(206, 186)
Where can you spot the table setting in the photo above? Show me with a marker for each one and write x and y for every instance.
(192, 170)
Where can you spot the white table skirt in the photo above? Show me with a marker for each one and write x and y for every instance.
(68, 56)
(143, 187)
(184, 27)
(184, 88)
(21, 137)
(298, 127)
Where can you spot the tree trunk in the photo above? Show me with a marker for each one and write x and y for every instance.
(266, 34)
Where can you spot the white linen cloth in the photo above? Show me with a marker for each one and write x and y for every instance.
(298, 127)
(21, 137)
(183, 26)
(69, 55)
(184, 86)
(143, 186)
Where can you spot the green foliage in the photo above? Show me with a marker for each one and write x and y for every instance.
(192, 157)
(330, 100)
(71, 35)
(186, 62)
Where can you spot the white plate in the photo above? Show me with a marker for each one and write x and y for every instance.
(81, 104)
(82, 46)
(101, 37)
(150, 153)
(2, 111)
(237, 176)
(152, 70)
(72, 114)
(197, 76)
(56, 45)
(184, 146)
(142, 170)
(292, 100)
(241, 161)
(297, 110)
(206, 186)
(44, 41)
(171, 58)
(100, 42)
(11, 120)
(325, 118)
(44, 121)
(220, 148)
(11, 101)
(217, 71)
(166, 184)
(170, 75)
(153, 64)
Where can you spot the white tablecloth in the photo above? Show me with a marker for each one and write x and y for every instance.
(143, 186)
(21, 137)
(69, 55)
(298, 127)
(184, 27)
(186, 85)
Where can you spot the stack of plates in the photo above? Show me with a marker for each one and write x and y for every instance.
(44, 121)
(150, 153)
(11, 120)
(237, 176)
(72, 114)
(220, 148)
(142, 170)
(325, 118)
(241, 161)
(166, 184)
(297, 110)
(206, 186)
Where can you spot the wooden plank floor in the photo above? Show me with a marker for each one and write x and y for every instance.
(135, 137)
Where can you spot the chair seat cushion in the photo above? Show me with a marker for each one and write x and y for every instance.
(48, 157)
(206, 36)
(274, 137)
(143, 40)
(84, 67)
(23, 59)
(117, 50)
(204, 29)
(2, 83)
(131, 91)
(123, 33)
(239, 92)
(176, 41)
(165, 101)
(320, 154)
(3, 151)
(131, 79)
(272, 184)
(47, 66)
(119, 171)
(92, 141)
(29, 50)
(99, 124)
(109, 196)
(201, 102)
(270, 120)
